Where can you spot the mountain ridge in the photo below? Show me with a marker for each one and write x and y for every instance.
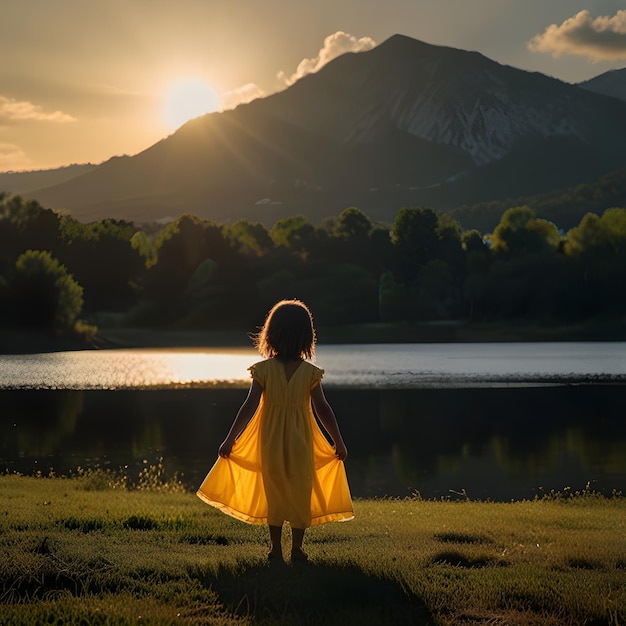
(611, 83)
(404, 123)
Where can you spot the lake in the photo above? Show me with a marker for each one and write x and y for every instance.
(499, 421)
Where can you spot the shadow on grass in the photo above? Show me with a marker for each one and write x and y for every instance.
(458, 559)
(311, 593)
(462, 538)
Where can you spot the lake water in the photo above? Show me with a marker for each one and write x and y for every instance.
(499, 421)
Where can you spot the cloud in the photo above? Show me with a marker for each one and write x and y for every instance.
(334, 45)
(13, 158)
(242, 95)
(20, 110)
(599, 39)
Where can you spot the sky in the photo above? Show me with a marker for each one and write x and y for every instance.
(84, 80)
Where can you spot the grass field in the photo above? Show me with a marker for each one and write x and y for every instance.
(91, 549)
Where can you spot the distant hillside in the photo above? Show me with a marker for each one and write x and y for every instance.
(564, 207)
(20, 183)
(406, 123)
(611, 83)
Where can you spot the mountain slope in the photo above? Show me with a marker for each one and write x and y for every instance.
(23, 182)
(443, 95)
(611, 83)
(404, 123)
(564, 207)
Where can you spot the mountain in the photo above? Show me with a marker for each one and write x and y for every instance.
(405, 123)
(24, 182)
(611, 83)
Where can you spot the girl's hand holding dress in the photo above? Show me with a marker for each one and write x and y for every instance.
(326, 415)
(225, 448)
(341, 452)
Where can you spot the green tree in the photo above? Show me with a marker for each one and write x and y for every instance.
(477, 293)
(103, 260)
(472, 241)
(436, 292)
(249, 238)
(352, 238)
(353, 224)
(476, 282)
(141, 242)
(415, 230)
(24, 226)
(181, 247)
(295, 233)
(596, 249)
(448, 227)
(414, 235)
(344, 294)
(393, 298)
(594, 233)
(185, 242)
(450, 246)
(208, 300)
(197, 278)
(521, 232)
(44, 294)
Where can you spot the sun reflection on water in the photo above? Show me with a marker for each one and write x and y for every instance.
(127, 369)
(207, 368)
(392, 366)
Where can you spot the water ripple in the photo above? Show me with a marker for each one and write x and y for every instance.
(123, 369)
(364, 366)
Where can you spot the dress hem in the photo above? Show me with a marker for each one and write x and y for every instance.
(339, 516)
(224, 508)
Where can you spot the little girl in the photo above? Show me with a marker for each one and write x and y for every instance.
(275, 464)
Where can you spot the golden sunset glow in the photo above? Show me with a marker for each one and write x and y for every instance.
(189, 98)
(144, 69)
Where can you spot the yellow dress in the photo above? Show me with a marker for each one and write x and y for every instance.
(281, 467)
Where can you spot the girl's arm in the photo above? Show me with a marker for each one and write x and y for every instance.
(244, 415)
(326, 415)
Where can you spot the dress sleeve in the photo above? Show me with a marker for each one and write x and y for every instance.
(256, 373)
(316, 377)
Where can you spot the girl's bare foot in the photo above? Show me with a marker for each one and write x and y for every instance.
(274, 556)
(276, 550)
(298, 554)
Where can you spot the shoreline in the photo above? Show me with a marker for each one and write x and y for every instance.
(14, 341)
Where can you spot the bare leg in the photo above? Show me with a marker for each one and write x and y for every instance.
(297, 537)
(276, 550)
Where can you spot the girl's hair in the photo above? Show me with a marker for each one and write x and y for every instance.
(288, 332)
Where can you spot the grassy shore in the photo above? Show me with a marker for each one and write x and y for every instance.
(91, 549)
(598, 330)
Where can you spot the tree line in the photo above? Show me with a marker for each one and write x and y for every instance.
(59, 274)
(565, 207)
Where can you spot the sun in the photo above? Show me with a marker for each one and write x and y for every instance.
(189, 98)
